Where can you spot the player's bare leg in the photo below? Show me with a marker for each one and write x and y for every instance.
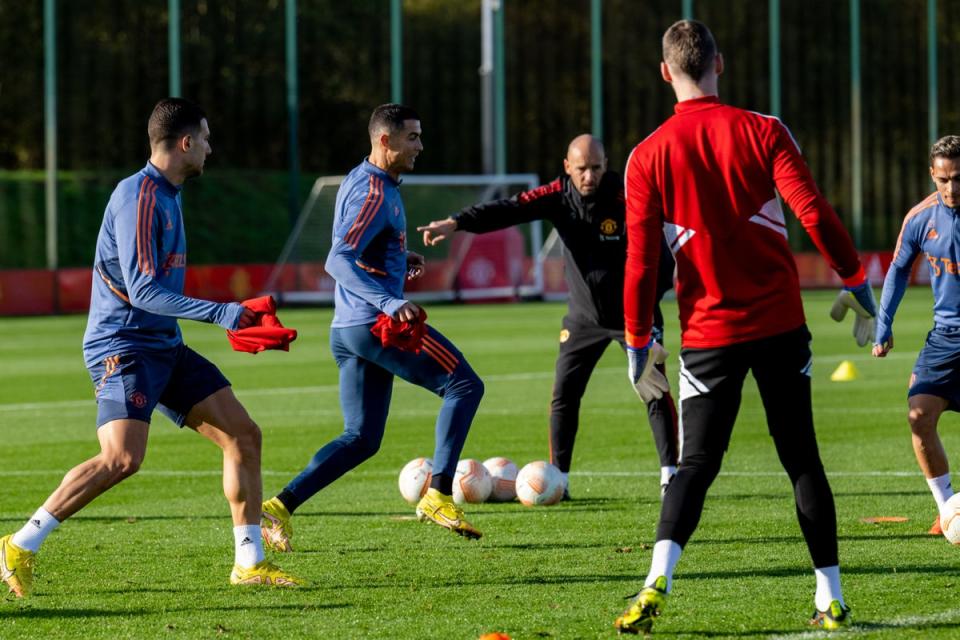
(222, 419)
(924, 415)
(925, 412)
(123, 444)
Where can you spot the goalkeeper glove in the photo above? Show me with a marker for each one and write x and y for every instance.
(864, 305)
(647, 381)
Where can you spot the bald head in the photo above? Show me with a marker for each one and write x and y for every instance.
(585, 163)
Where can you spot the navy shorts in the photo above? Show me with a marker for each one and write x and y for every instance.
(937, 371)
(131, 385)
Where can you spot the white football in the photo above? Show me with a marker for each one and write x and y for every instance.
(950, 519)
(539, 483)
(471, 482)
(504, 475)
(415, 479)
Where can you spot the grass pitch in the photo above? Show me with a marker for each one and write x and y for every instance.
(150, 559)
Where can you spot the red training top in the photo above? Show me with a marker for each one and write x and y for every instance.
(708, 179)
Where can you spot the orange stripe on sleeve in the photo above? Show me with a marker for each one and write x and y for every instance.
(143, 188)
(151, 267)
(369, 210)
(914, 212)
(351, 232)
(374, 209)
(372, 206)
(145, 205)
(111, 286)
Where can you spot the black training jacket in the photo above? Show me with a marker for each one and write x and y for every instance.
(594, 241)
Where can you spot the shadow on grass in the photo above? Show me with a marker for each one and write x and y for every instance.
(802, 631)
(799, 570)
(798, 539)
(740, 633)
(48, 613)
(786, 494)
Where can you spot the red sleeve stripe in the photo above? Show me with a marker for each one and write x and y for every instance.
(440, 353)
(369, 269)
(539, 192)
(367, 213)
(925, 204)
(111, 286)
(145, 205)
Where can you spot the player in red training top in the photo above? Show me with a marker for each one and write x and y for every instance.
(709, 178)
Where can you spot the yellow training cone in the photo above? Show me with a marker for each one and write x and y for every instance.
(845, 372)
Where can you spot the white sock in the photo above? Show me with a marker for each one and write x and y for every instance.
(666, 553)
(38, 527)
(666, 473)
(828, 587)
(249, 545)
(940, 488)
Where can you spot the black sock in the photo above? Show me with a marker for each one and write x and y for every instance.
(289, 500)
(442, 483)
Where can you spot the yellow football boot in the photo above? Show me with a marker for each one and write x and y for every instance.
(275, 526)
(835, 617)
(646, 605)
(440, 509)
(266, 574)
(16, 567)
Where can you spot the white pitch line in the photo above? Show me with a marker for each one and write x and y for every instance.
(245, 393)
(874, 627)
(385, 474)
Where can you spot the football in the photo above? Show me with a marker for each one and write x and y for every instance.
(471, 482)
(503, 473)
(415, 479)
(950, 519)
(539, 483)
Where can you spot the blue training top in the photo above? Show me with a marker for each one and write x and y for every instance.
(368, 258)
(929, 228)
(139, 270)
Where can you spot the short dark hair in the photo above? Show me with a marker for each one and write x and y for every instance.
(689, 46)
(946, 147)
(172, 118)
(390, 116)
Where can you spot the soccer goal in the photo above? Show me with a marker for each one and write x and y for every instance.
(505, 264)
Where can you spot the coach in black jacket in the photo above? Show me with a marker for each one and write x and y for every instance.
(586, 206)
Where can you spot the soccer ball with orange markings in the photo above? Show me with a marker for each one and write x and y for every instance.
(471, 482)
(539, 483)
(950, 519)
(415, 479)
(504, 475)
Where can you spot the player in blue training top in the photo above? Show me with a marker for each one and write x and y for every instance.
(138, 361)
(930, 229)
(369, 261)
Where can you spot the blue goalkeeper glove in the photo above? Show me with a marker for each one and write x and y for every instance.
(864, 305)
(647, 381)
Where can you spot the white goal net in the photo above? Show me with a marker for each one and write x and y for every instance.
(504, 264)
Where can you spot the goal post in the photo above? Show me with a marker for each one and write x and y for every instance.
(504, 264)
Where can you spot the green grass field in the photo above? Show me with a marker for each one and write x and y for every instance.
(150, 559)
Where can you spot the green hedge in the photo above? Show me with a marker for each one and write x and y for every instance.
(231, 216)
